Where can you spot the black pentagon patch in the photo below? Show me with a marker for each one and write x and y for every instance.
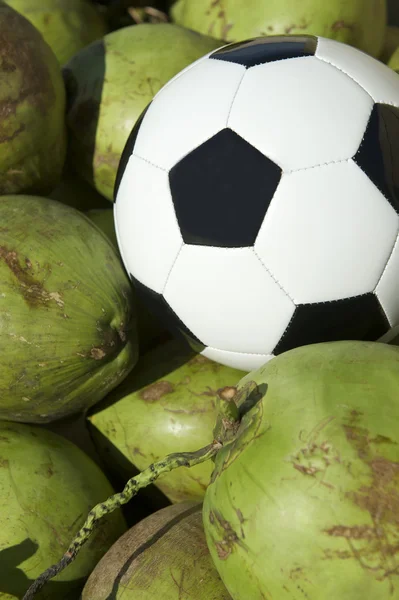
(222, 190)
(157, 304)
(128, 150)
(378, 153)
(357, 318)
(261, 50)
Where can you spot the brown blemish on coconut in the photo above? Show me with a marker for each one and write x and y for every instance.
(341, 24)
(316, 456)
(210, 393)
(97, 353)
(360, 438)
(357, 532)
(373, 545)
(4, 463)
(179, 584)
(11, 136)
(156, 391)
(112, 342)
(184, 411)
(240, 515)
(46, 470)
(228, 538)
(198, 480)
(22, 50)
(199, 360)
(32, 290)
(137, 450)
(225, 26)
(7, 67)
(305, 470)
(291, 28)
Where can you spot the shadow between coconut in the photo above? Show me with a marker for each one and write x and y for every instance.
(83, 103)
(14, 582)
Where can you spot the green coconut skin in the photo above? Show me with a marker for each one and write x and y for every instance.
(32, 108)
(47, 486)
(360, 23)
(394, 61)
(167, 404)
(166, 557)
(109, 84)
(67, 318)
(66, 25)
(391, 43)
(304, 502)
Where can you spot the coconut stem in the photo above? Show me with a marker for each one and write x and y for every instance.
(149, 475)
(230, 402)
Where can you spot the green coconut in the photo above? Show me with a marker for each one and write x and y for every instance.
(167, 404)
(391, 43)
(32, 107)
(68, 325)
(360, 23)
(394, 61)
(47, 485)
(66, 25)
(74, 191)
(110, 82)
(304, 499)
(304, 495)
(164, 556)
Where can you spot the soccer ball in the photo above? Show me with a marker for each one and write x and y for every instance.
(257, 199)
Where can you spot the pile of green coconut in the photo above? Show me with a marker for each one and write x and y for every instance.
(279, 484)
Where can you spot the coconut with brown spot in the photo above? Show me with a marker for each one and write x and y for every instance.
(32, 107)
(47, 485)
(360, 23)
(68, 323)
(109, 84)
(305, 498)
(303, 501)
(66, 25)
(167, 404)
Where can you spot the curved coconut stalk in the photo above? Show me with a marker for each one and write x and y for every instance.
(230, 399)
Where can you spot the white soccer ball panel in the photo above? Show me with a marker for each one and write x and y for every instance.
(328, 233)
(235, 360)
(148, 232)
(378, 80)
(309, 113)
(387, 289)
(227, 299)
(188, 112)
